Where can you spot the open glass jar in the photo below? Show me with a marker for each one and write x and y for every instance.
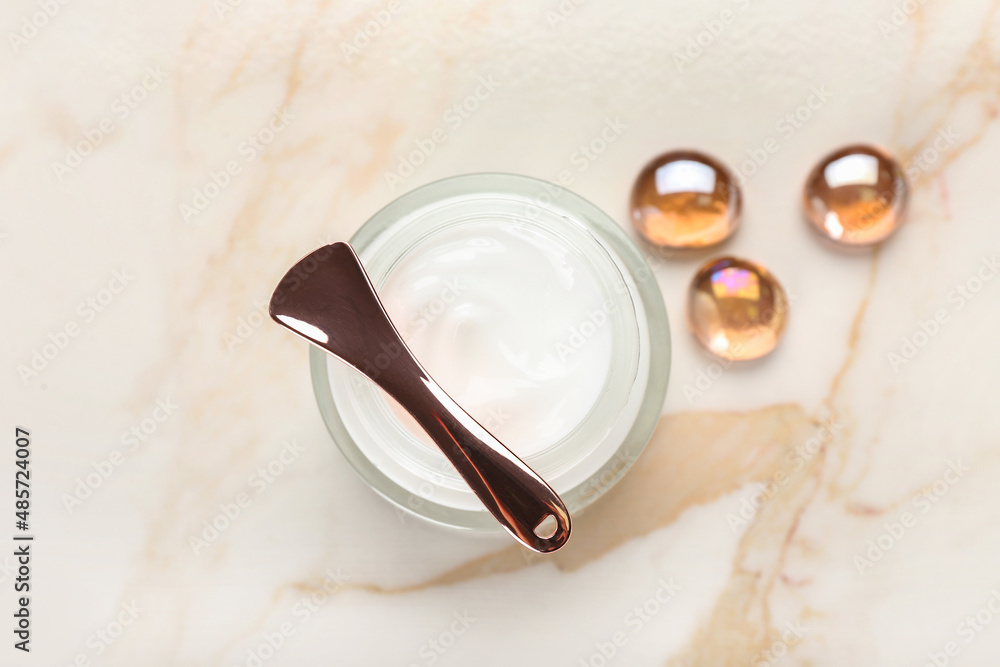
(534, 311)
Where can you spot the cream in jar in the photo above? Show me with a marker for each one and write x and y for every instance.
(510, 324)
(537, 315)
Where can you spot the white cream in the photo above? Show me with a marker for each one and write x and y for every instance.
(510, 324)
(525, 303)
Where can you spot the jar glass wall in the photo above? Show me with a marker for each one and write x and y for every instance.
(536, 313)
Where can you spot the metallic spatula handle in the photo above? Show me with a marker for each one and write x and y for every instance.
(328, 299)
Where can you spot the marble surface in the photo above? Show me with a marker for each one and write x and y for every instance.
(831, 504)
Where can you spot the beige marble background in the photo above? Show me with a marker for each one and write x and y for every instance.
(688, 561)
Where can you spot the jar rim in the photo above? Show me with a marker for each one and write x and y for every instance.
(645, 292)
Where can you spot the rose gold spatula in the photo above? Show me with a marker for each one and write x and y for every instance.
(328, 299)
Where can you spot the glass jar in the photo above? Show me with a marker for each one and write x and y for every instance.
(570, 312)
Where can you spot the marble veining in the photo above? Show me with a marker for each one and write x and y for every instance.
(830, 504)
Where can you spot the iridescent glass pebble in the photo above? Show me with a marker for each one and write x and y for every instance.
(685, 199)
(856, 196)
(736, 309)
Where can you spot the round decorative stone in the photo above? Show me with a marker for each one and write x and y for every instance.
(685, 199)
(736, 309)
(856, 196)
